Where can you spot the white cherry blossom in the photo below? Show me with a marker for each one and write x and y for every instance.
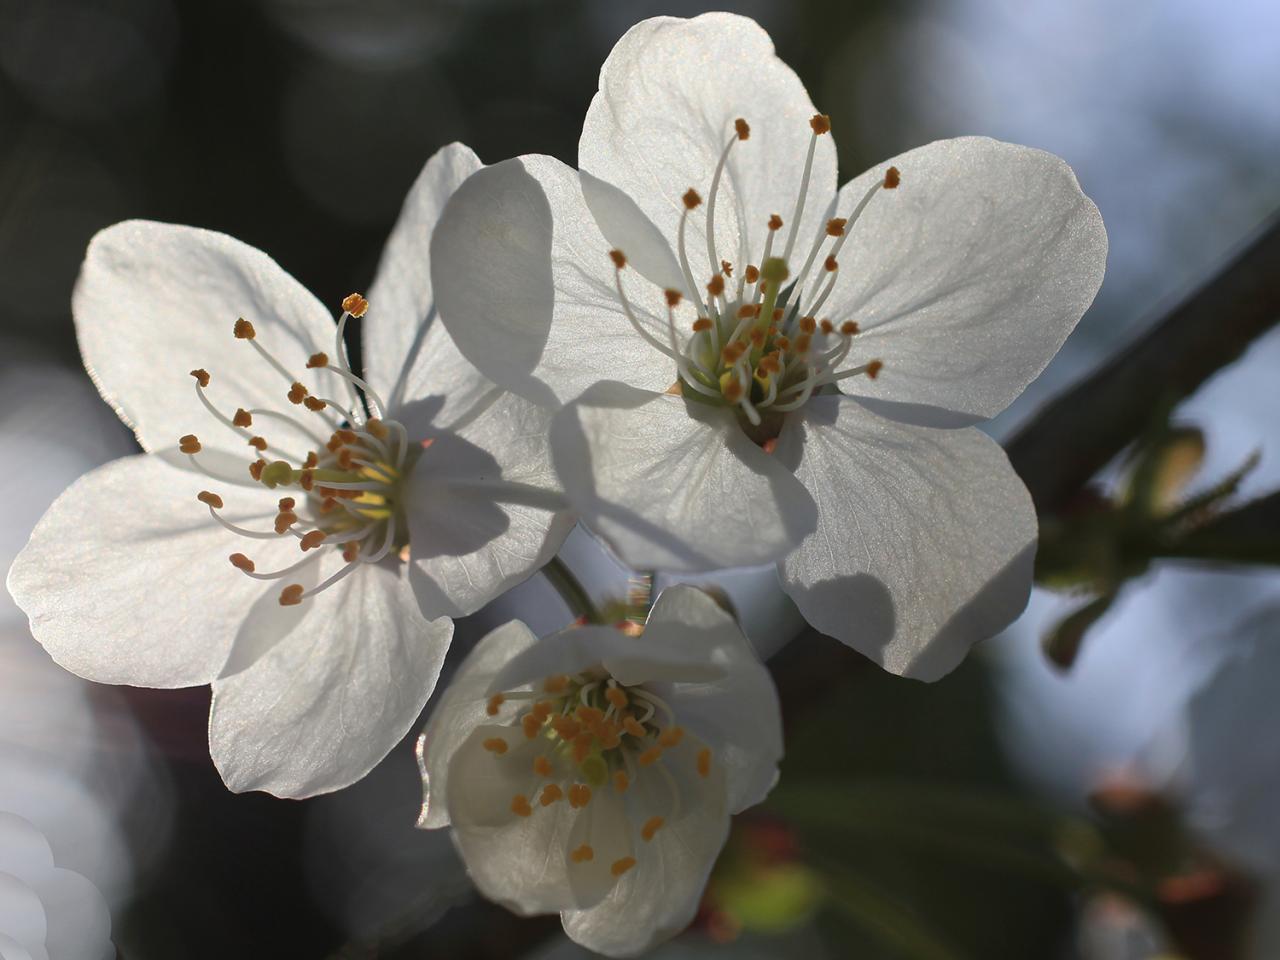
(754, 366)
(297, 535)
(592, 773)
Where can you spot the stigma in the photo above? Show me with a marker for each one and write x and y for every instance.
(343, 492)
(756, 343)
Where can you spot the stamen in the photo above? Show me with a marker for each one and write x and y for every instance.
(355, 305)
(651, 827)
(550, 794)
(241, 562)
(212, 499)
(495, 745)
(202, 377)
(622, 866)
(542, 766)
(582, 854)
(617, 697)
(520, 806)
(318, 360)
(621, 781)
(495, 702)
(189, 444)
(630, 315)
(291, 595)
(671, 737)
(579, 796)
(741, 132)
(650, 756)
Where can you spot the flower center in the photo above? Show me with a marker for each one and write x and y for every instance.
(757, 344)
(592, 734)
(350, 485)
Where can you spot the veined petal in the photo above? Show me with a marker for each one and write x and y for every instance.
(630, 660)
(519, 861)
(925, 537)
(323, 706)
(525, 286)
(659, 897)
(737, 713)
(156, 300)
(460, 710)
(966, 278)
(484, 508)
(408, 355)
(602, 825)
(126, 578)
(675, 485)
(669, 94)
(626, 228)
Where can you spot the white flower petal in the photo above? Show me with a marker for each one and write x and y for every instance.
(408, 356)
(738, 713)
(532, 305)
(328, 701)
(670, 92)
(126, 578)
(675, 485)
(518, 861)
(626, 228)
(156, 300)
(79, 922)
(460, 709)
(602, 825)
(968, 276)
(659, 897)
(484, 509)
(630, 660)
(925, 537)
(22, 918)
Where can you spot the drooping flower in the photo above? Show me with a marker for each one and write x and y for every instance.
(341, 519)
(592, 773)
(754, 366)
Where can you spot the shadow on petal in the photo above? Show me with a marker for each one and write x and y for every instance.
(875, 622)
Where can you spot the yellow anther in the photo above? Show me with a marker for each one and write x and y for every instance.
(691, 199)
(311, 461)
(775, 222)
(626, 863)
(874, 368)
(287, 503)
(741, 127)
(285, 520)
(673, 297)
(542, 710)
(651, 827)
(849, 328)
(618, 259)
(621, 781)
(589, 715)
(542, 766)
(671, 737)
(752, 273)
(297, 393)
(314, 404)
(291, 595)
(820, 123)
(581, 747)
(557, 684)
(566, 727)
(702, 323)
(650, 756)
(377, 428)
(495, 745)
(582, 854)
(579, 795)
(212, 499)
(831, 264)
(704, 762)
(242, 418)
(716, 286)
(312, 540)
(520, 806)
(355, 304)
(318, 360)
(256, 468)
(835, 227)
(550, 794)
(495, 702)
(616, 696)
(892, 178)
(350, 551)
(633, 726)
(202, 377)
(826, 326)
(258, 443)
(808, 324)
(530, 724)
(189, 444)
(244, 330)
(241, 562)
